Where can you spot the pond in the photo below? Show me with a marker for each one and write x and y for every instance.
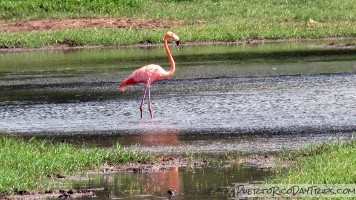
(222, 99)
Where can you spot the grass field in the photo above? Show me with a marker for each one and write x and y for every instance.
(326, 163)
(28, 165)
(205, 20)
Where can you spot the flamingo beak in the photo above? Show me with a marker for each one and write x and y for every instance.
(177, 42)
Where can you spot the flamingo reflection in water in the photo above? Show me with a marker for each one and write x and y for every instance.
(165, 180)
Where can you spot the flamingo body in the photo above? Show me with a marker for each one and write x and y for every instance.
(149, 73)
(146, 75)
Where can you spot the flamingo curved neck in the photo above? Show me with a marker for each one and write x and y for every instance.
(170, 58)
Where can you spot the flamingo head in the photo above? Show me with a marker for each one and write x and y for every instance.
(171, 35)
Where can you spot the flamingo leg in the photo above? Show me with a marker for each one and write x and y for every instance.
(149, 101)
(143, 100)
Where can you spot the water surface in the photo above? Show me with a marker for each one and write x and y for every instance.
(187, 183)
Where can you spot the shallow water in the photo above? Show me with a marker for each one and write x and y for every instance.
(187, 183)
(288, 104)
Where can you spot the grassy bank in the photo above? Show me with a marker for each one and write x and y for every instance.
(33, 164)
(326, 163)
(205, 20)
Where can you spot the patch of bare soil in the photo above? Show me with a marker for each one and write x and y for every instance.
(260, 162)
(149, 167)
(263, 162)
(52, 24)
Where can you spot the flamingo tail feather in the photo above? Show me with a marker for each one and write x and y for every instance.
(128, 81)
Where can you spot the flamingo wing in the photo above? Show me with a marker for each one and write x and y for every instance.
(146, 75)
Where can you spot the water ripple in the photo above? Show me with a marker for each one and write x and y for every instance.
(233, 105)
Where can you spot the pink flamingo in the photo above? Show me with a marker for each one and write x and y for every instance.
(149, 73)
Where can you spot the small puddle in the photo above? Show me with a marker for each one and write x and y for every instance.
(186, 183)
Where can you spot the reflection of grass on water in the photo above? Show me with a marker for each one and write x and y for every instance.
(326, 163)
(33, 164)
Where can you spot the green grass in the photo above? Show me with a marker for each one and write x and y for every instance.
(206, 20)
(326, 163)
(80, 37)
(28, 165)
(33, 9)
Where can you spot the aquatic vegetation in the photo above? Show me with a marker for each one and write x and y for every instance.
(33, 164)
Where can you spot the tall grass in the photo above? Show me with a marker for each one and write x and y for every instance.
(326, 163)
(33, 164)
(206, 20)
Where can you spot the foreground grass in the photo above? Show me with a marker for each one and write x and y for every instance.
(28, 165)
(207, 20)
(326, 163)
